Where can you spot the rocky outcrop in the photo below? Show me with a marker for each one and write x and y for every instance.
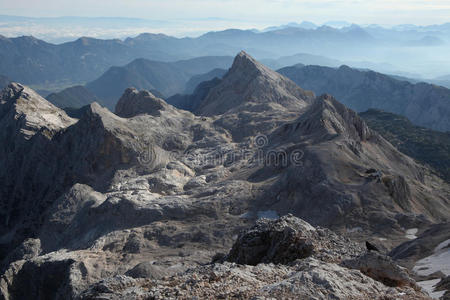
(30, 112)
(302, 276)
(133, 103)
(329, 117)
(286, 240)
(306, 279)
(381, 268)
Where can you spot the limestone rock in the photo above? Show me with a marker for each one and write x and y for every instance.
(31, 112)
(381, 268)
(133, 103)
(248, 81)
(288, 239)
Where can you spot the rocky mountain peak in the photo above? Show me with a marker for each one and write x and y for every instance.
(31, 111)
(329, 116)
(244, 62)
(134, 102)
(248, 81)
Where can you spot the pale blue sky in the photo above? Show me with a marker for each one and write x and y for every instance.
(264, 12)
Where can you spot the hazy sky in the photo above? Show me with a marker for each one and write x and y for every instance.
(264, 12)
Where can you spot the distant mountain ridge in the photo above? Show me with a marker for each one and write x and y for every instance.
(167, 78)
(425, 145)
(424, 104)
(75, 97)
(33, 61)
(161, 78)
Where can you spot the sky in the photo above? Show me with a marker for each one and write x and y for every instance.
(192, 18)
(269, 12)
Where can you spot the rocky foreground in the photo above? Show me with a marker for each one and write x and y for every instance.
(283, 259)
(113, 205)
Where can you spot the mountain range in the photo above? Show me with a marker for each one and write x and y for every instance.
(424, 104)
(46, 66)
(166, 78)
(100, 205)
(161, 78)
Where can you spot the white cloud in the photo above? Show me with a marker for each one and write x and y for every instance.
(197, 15)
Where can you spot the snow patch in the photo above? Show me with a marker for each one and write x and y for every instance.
(355, 229)
(268, 214)
(411, 233)
(428, 286)
(438, 261)
(247, 215)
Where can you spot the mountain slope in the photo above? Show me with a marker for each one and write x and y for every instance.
(427, 146)
(75, 97)
(192, 102)
(192, 84)
(424, 104)
(167, 78)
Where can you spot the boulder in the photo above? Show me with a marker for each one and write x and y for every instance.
(381, 268)
(289, 238)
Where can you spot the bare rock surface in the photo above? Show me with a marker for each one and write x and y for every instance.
(133, 103)
(299, 276)
(156, 190)
(288, 239)
(249, 81)
(381, 268)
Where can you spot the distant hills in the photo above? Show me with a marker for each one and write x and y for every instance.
(36, 62)
(163, 79)
(425, 145)
(75, 97)
(424, 104)
(192, 84)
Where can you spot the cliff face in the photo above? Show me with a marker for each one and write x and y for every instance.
(105, 194)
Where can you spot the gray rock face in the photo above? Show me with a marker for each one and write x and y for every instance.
(105, 193)
(193, 101)
(134, 103)
(381, 268)
(249, 81)
(286, 240)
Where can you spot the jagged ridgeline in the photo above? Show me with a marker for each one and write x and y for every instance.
(88, 198)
